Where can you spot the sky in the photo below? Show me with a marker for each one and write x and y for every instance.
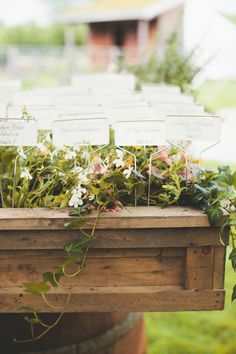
(204, 28)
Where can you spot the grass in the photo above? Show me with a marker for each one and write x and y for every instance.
(216, 95)
(195, 332)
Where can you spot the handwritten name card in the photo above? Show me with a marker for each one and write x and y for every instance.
(18, 132)
(193, 128)
(140, 133)
(81, 132)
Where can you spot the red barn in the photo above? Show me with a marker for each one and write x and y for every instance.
(132, 27)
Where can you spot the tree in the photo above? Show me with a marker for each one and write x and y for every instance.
(58, 5)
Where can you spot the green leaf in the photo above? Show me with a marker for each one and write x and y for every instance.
(36, 288)
(52, 277)
(215, 214)
(234, 293)
(234, 179)
(78, 211)
(116, 178)
(75, 247)
(78, 224)
(232, 257)
(204, 191)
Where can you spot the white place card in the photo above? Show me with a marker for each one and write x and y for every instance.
(140, 133)
(167, 98)
(18, 132)
(165, 109)
(44, 116)
(81, 132)
(3, 109)
(193, 128)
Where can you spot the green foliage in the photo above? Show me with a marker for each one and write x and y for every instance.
(216, 95)
(32, 34)
(174, 68)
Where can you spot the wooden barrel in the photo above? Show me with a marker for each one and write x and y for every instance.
(95, 333)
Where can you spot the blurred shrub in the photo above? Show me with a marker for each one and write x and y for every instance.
(174, 68)
(32, 34)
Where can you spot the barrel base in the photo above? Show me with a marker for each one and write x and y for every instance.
(117, 333)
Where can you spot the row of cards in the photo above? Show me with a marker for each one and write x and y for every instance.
(94, 132)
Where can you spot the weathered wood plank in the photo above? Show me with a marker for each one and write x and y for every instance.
(125, 238)
(113, 299)
(199, 268)
(99, 271)
(136, 218)
(219, 267)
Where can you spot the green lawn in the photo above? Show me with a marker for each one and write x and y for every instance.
(217, 95)
(195, 332)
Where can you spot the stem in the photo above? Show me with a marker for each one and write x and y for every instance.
(1, 192)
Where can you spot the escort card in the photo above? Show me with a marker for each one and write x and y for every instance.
(81, 132)
(169, 98)
(140, 133)
(3, 109)
(193, 128)
(18, 132)
(44, 116)
(164, 109)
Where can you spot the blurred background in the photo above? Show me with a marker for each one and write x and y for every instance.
(188, 43)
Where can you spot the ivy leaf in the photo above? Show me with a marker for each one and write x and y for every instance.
(225, 179)
(78, 211)
(78, 224)
(204, 191)
(215, 214)
(36, 288)
(75, 247)
(52, 277)
(234, 293)
(232, 257)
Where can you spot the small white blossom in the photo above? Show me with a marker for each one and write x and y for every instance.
(42, 148)
(25, 173)
(75, 201)
(82, 174)
(70, 155)
(77, 195)
(128, 172)
(85, 155)
(119, 162)
(91, 197)
(21, 153)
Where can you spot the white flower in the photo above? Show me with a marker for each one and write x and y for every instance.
(25, 173)
(119, 162)
(119, 153)
(75, 201)
(85, 155)
(42, 148)
(91, 197)
(82, 174)
(128, 172)
(77, 195)
(70, 155)
(21, 153)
